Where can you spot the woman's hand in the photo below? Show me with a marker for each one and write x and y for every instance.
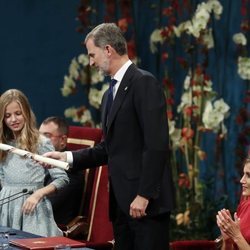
(31, 202)
(219, 221)
(230, 228)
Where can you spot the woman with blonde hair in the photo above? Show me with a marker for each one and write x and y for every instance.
(32, 211)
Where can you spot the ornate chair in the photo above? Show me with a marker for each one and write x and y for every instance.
(83, 137)
(92, 226)
(100, 232)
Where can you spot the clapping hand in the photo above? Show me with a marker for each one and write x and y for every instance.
(229, 227)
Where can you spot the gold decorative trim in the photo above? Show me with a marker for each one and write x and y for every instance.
(90, 143)
(94, 201)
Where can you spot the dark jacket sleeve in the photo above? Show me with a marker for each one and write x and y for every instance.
(90, 157)
(151, 111)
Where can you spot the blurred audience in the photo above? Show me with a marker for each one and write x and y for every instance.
(66, 203)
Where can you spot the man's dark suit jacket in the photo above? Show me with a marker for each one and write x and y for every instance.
(136, 144)
(66, 202)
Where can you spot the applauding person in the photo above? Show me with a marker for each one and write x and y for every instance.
(235, 230)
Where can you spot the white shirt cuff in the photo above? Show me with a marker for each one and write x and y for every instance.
(69, 156)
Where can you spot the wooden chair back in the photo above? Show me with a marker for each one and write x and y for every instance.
(94, 206)
(78, 138)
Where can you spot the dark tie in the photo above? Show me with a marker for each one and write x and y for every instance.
(110, 97)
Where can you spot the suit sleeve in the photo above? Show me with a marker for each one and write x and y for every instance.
(151, 110)
(90, 157)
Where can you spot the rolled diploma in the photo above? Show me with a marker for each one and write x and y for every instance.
(53, 162)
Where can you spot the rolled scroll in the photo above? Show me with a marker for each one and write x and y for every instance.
(53, 162)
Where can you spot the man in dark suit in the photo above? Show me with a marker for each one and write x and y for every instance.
(135, 146)
(67, 201)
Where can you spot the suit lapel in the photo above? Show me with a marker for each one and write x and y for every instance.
(121, 94)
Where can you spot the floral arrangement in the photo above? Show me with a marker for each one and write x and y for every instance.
(90, 78)
(81, 77)
(200, 112)
(243, 61)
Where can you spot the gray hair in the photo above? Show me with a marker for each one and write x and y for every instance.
(108, 33)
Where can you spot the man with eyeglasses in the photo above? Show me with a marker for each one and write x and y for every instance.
(65, 203)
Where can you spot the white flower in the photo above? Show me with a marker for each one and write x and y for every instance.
(240, 39)
(86, 117)
(213, 117)
(210, 118)
(186, 100)
(221, 106)
(83, 59)
(216, 7)
(244, 67)
(71, 113)
(208, 86)
(182, 27)
(208, 39)
(155, 38)
(176, 138)
(178, 30)
(95, 96)
(188, 26)
(187, 82)
(200, 20)
(171, 126)
(73, 69)
(96, 76)
(68, 86)
(175, 134)
(202, 13)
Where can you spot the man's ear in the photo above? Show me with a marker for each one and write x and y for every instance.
(64, 140)
(109, 49)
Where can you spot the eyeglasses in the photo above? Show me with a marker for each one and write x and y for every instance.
(49, 135)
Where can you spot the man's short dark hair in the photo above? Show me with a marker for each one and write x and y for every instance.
(61, 122)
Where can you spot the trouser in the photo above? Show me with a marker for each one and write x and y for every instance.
(147, 233)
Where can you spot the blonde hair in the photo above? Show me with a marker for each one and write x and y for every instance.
(29, 135)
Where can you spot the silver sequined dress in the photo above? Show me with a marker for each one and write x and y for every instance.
(16, 174)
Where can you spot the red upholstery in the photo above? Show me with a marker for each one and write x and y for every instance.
(95, 200)
(193, 245)
(100, 235)
(100, 227)
(83, 137)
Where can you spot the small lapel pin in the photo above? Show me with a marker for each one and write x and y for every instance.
(125, 88)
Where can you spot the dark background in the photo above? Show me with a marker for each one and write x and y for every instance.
(38, 41)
